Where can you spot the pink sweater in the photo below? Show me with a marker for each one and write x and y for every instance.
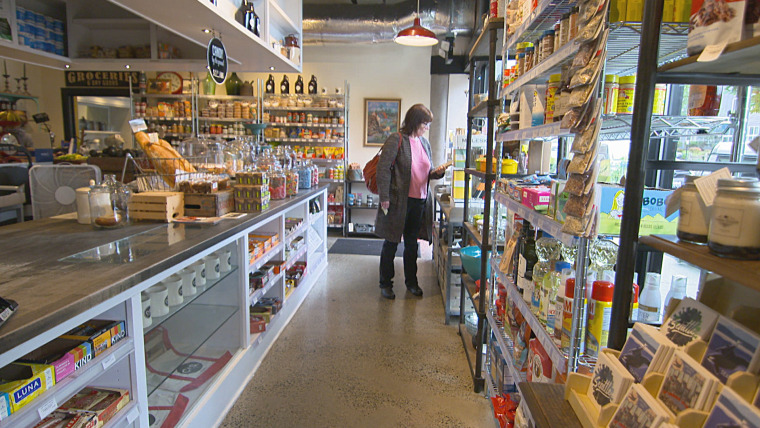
(420, 169)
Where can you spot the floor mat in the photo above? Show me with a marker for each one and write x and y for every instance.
(363, 247)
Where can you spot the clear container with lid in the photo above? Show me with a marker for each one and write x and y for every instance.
(109, 203)
(520, 64)
(551, 93)
(277, 183)
(304, 175)
(557, 31)
(547, 46)
(734, 226)
(564, 29)
(694, 216)
(291, 181)
(529, 52)
(611, 89)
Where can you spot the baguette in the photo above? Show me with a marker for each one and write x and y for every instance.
(164, 158)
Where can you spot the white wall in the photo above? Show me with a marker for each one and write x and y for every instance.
(383, 70)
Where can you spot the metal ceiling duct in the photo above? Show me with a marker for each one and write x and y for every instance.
(332, 23)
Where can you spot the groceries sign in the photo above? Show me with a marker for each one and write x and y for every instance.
(101, 79)
(216, 58)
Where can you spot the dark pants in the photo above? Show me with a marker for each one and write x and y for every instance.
(415, 208)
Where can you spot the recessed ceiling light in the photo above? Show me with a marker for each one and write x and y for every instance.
(67, 66)
(206, 30)
(127, 66)
(271, 68)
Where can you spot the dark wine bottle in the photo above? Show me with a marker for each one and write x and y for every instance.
(252, 21)
(313, 85)
(240, 15)
(285, 85)
(270, 85)
(299, 85)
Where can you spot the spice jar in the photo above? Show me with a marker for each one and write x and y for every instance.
(611, 88)
(694, 217)
(704, 100)
(547, 45)
(625, 95)
(551, 89)
(564, 29)
(734, 229)
(520, 64)
(109, 203)
(529, 52)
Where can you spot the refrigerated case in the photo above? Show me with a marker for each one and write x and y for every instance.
(91, 114)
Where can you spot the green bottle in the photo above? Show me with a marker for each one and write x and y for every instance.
(209, 85)
(233, 85)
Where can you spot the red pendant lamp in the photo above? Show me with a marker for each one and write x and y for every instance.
(416, 35)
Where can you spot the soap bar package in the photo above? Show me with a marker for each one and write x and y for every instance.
(102, 334)
(23, 382)
(65, 355)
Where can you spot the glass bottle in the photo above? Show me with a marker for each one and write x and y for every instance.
(209, 85)
(270, 85)
(526, 260)
(299, 85)
(547, 249)
(285, 85)
(108, 203)
(233, 84)
(549, 295)
(313, 85)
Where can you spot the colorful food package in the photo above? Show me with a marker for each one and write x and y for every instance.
(541, 368)
(23, 382)
(714, 22)
(64, 355)
(521, 344)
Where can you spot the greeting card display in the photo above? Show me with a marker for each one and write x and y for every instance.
(732, 411)
(732, 348)
(639, 409)
(609, 383)
(687, 385)
(690, 320)
(646, 351)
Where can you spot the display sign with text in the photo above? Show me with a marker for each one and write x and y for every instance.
(101, 79)
(216, 57)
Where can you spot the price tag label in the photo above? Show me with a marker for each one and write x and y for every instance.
(108, 362)
(132, 415)
(138, 125)
(712, 52)
(47, 408)
(708, 186)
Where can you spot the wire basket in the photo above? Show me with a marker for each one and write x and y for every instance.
(172, 174)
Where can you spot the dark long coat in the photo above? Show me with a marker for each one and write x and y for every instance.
(393, 185)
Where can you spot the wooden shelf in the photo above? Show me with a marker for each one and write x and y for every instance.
(541, 221)
(547, 130)
(548, 406)
(744, 272)
(473, 231)
(550, 65)
(481, 45)
(741, 57)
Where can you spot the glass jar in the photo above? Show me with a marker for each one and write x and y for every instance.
(734, 229)
(547, 44)
(694, 217)
(277, 184)
(564, 29)
(529, 54)
(314, 175)
(109, 203)
(704, 100)
(611, 89)
(520, 64)
(304, 176)
(291, 181)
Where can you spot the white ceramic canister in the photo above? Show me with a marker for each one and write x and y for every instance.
(225, 260)
(212, 267)
(734, 227)
(694, 216)
(147, 320)
(159, 300)
(200, 273)
(83, 204)
(174, 287)
(188, 281)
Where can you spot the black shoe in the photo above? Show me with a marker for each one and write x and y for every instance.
(388, 293)
(415, 289)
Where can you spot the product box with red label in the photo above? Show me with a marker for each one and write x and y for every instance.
(540, 364)
(536, 198)
(102, 334)
(104, 402)
(258, 324)
(69, 419)
(23, 382)
(65, 355)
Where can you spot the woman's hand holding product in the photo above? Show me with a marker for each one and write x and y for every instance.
(385, 205)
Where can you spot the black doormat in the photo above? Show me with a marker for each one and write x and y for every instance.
(364, 247)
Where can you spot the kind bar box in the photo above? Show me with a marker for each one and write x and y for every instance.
(23, 382)
(653, 219)
(65, 355)
(102, 334)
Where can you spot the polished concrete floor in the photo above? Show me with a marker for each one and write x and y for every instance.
(350, 358)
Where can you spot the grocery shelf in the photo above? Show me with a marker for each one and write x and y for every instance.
(473, 231)
(548, 130)
(291, 108)
(541, 221)
(361, 207)
(304, 125)
(125, 416)
(625, 37)
(330, 180)
(187, 300)
(558, 360)
(293, 258)
(225, 119)
(162, 96)
(490, 387)
(480, 174)
(507, 349)
(49, 400)
(481, 45)
(256, 295)
(307, 140)
(295, 232)
(316, 216)
(741, 57)
(267, 256)
(227, 97)
(744, 272)
(185, 333)
(618, 126)
(322, 160)
(470, 290)
(481, 109)
(547, 405)
(164, 118)
(551, 65)
(542, 18)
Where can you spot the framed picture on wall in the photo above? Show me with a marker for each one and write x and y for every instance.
(382, 117)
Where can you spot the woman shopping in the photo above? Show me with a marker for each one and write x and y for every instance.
(403, 175)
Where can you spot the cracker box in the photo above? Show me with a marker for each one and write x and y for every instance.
(72, 418)
(102, 334)
(540, 365)
(104, 402)
(65, 355)
(653, 218)
(25, 381)
(258, 324)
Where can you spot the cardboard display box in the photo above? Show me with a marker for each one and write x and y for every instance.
(209, 205)
(104, 402)
(653, 219)
(24, 382)
(102, 334)
(65, 355)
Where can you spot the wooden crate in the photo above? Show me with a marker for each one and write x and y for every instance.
(163, 206)
(210, 204)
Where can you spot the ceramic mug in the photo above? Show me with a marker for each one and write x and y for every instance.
(200, 273)
(225, 260)
(188, 281)
(159, 300)
(174, 287)
(147, 320)
(212, 267)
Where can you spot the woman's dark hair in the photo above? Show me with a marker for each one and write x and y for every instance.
(415, 116)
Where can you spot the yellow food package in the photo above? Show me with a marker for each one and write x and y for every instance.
(24, 382)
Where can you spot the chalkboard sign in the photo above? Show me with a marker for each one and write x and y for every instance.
(216, 58)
